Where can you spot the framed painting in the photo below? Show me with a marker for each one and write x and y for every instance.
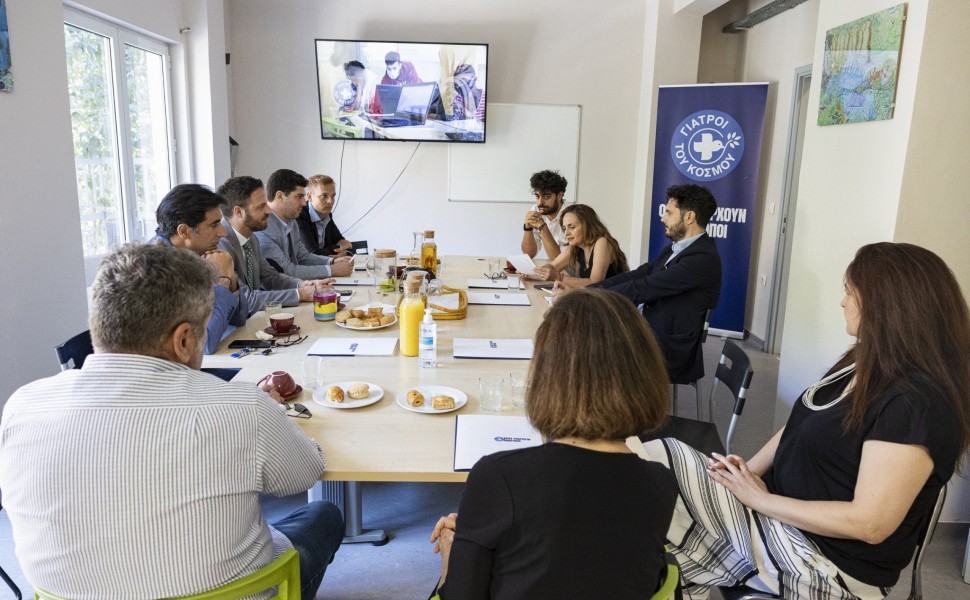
(6, 76)
(860, 68)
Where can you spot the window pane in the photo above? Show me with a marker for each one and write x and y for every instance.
(95, 145)
(149, 137)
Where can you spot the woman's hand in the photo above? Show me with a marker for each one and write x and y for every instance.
(548, 272)
(732, 472)
(442, 537)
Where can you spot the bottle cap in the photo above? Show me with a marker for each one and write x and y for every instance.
(427, 316)
(412, 286)
(429, 234)
(385, 253)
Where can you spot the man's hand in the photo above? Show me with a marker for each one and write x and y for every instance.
(266, 387)
(534, 220)
(221, 261)
(342, 267)
(308, 286)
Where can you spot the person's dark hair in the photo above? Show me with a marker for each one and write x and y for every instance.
(597, 371)
(696, 198)
(594, 229)
(237, 192)
(391, 57)
(284, 180)
(914, 328)
(185, 203)
(142, 292)
(549, 182)
(351, 67)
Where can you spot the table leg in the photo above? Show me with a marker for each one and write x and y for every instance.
(351, 502)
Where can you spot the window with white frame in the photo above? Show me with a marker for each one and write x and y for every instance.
(120, 98)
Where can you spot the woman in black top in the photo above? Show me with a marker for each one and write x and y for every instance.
(580, 516)
(838, 498)
(591, 254)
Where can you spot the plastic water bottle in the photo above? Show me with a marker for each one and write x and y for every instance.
(428, 342)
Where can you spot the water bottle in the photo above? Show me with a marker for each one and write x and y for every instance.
(428, 342)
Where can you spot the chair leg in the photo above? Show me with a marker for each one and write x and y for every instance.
(9, 582)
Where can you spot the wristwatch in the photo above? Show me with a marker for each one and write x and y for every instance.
(526, 227)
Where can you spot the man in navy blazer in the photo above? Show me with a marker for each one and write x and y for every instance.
(681, 284)
(246, 212)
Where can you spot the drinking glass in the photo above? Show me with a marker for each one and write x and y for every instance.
(491, 392)
(494, 267)
(312, 372)
(520, 386)
(272, 307)
(513, 280)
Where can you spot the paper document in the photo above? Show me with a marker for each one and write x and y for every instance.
(449, 301)
(493, 284)
(493, 348)
(512, 299)
(479, 435)
(354, 281)
(363, 346)
(523, 264)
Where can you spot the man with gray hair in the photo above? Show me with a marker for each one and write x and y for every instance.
(141, 475)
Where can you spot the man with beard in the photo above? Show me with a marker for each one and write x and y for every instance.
(189, 217)
(541, 229)
(678, 287)
(246, 212)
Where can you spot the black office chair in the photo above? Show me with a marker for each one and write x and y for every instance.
(71, 354)
(916, 587)
(696, 383)
(6, 578)
(359, 247)
(737, 377)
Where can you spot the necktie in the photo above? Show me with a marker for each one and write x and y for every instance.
(250, 265)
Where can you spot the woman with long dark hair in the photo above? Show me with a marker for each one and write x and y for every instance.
(592, 254)
(834, 504)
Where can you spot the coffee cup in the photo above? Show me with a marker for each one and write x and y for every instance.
(282, 322)
(281, 382)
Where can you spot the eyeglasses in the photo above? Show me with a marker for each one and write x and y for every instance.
(298, 410)
(289, 342)
(494, 276)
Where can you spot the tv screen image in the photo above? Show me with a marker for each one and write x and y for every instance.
(401, 91)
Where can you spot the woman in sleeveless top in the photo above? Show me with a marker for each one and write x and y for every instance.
(591, 254)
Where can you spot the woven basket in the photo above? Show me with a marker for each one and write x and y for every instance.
(445, 314)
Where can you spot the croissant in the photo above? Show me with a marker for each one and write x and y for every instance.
(415, 398)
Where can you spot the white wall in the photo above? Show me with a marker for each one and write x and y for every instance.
(541, 52)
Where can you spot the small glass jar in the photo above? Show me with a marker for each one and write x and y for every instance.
(385, 270)
(325, 301)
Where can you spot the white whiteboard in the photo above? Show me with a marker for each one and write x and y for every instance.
(520, 140)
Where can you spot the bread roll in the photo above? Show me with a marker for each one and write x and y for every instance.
(342, 316)
(415, 398)
(387, 319)
(354, 322)
(335, 394)
(372, 322)
(358, 391)
(375, 311)
(442, 402)
(359, 313)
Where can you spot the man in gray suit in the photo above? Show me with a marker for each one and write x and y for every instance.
(281, 242)
(246, 212)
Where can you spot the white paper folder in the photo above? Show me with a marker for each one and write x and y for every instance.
(492, 348)
(508, 298)
(480, 435)
(369, 346)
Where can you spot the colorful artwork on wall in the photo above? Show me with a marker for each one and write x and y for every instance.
(860, 68)
(6, 76)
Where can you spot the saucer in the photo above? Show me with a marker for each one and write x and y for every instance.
(296, 392)
(295, 330)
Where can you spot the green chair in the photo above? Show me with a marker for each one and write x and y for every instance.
(283, 573)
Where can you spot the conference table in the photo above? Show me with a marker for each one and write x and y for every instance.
(384, 441)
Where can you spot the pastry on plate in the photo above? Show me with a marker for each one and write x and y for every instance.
(359, 313)
(354, 322)
(342, 316)
(387, 319)
(372, 322)
(442, 402)
(375, 311)
(415, 398)
(335, 394)
(358, 391)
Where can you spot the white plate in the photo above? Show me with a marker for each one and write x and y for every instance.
(376, 393)
(432, 390)
(388, 309)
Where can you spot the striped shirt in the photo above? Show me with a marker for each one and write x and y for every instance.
(137, 477)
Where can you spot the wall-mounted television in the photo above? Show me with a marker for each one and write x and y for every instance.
(401, 91)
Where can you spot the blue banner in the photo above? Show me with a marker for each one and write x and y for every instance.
(710, 135)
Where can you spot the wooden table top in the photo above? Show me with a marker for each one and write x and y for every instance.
(383, 441)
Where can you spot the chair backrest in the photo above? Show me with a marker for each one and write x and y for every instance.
(737, 377)
(359, 247)
(71, 354)
(670, 580)
(283, 574)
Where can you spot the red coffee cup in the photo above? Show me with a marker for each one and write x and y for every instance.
(281, 382)
(282, 322)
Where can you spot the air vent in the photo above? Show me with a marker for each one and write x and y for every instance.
(762, 14)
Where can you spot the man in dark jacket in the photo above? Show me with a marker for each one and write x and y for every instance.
(319, 233)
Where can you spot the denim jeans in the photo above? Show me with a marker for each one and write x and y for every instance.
(316, 531)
